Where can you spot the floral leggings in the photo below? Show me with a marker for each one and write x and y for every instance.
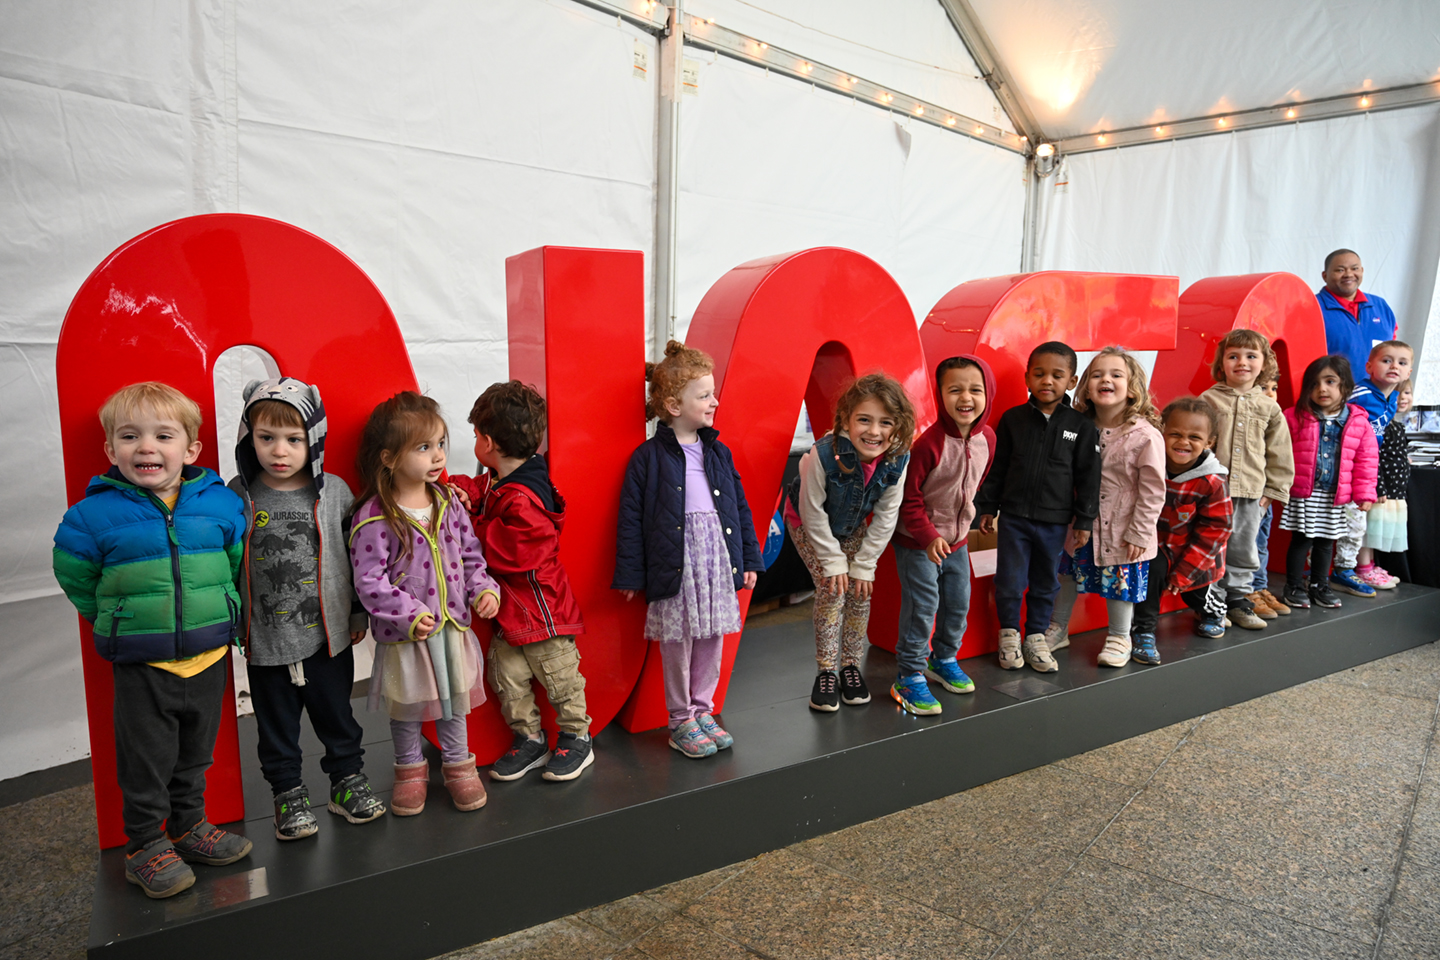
(840, 622)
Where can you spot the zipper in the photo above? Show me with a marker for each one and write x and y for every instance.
(436, 563)
(116, 615)
(174, 537)
(320, 576)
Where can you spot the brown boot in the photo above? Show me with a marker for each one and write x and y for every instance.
(464, 784)
(1262, 607)
(411, 782)
(1274, 603)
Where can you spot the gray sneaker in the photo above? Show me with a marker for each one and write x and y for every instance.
(1037, 654)
(718, 735)
(1010, 658)
(1057, 637)
(207, 843)
(293, 817)
(158, 870)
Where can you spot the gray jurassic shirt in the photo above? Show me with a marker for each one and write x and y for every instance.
(285, 621)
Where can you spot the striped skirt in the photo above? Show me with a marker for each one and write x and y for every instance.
(1315, 516)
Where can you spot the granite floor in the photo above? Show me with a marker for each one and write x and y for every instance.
(1303, 824)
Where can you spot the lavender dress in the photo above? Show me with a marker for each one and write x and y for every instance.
(706, 606)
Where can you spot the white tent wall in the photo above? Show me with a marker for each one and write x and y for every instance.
(1279, 198)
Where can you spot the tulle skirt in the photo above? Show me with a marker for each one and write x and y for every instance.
(1387, 527)
(706, 605)
(404, 677)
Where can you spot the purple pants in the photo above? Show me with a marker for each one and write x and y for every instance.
(454, 743)
(692, 671)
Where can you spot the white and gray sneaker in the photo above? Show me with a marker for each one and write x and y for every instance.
(1010, 658)
(1057, 637)
(1037, 654)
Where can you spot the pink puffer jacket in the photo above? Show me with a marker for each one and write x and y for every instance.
(1359, 456)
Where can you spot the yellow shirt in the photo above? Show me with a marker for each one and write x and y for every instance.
(188, 666)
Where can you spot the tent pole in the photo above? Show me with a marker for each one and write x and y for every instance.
(1032, 205)
(667, 180)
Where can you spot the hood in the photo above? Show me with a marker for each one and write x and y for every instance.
(303, 397)
(114, 480)
(534, 475)
(1207, 465)
(946, 423)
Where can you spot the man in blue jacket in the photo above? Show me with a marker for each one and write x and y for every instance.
(1354, 321)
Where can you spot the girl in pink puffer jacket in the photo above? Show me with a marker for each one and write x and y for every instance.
(1336, 462)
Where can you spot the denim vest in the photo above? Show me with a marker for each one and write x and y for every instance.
(848, 498)
(1327, 455)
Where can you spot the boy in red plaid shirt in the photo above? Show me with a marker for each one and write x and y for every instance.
(1194, 527)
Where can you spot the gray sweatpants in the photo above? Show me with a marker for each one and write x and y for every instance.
(1242, 558)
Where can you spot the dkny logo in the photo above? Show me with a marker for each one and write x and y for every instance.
(1068, 434)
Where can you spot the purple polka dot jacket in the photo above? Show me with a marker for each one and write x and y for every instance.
(443, 575)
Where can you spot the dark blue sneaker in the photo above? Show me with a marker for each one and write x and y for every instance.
(1142, 649)
(1346, 581)
(948, 674)
(1212, 627)
(913, 693)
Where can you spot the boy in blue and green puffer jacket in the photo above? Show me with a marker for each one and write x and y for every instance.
(150, 557)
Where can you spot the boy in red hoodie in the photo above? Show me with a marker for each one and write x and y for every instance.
(946, 466)
(518, 515)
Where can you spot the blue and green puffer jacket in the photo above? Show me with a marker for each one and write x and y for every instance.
(156, 585)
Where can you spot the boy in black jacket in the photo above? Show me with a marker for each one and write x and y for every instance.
(1045, 475)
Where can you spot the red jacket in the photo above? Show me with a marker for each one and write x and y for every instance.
(521, 541)
(1195, 524)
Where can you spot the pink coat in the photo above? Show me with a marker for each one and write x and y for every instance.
(1132, 493)
(1359, 456)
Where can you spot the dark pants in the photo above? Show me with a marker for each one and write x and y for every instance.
(165, 728)
(1029, 555)
(326, 697)
(1207, 601)
(1317, 550)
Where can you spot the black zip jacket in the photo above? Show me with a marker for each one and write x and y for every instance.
(1044, 470)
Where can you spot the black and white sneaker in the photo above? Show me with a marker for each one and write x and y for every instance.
(294, 819)
(572, 755)
(1322, 596)
(852, 686)
(825, 695)
(523, 756)
(354, 799)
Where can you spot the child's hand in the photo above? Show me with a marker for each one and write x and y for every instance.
(750, 577)
(836, 586)
(425, 626)
(356, 636)
(861, 588)
(1365, 507)
(1379, 499)
(1132, 552)
(487, 605)
(987, 523)
(938, 550)
(460, 495)
(1082, 537)
(629, 594)
(1265, 504)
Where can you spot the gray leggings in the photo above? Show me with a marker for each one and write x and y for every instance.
(1121, 612)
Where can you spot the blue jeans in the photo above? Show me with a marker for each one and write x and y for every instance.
(931, 596)
(1029, 556)
(1261, 580)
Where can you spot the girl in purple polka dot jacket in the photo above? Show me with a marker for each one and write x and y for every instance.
(419, 573)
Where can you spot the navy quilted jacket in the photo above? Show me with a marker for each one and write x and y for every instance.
(650, 544)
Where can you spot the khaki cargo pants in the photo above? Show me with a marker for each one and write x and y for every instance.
(556, 664)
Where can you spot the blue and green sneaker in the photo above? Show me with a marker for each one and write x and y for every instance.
(913, 693)
(948, 674)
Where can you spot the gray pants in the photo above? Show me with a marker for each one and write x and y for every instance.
(1242, 558)
(165, 728)
(1347, 548)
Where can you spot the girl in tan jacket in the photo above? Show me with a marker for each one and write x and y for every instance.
(1115, 563)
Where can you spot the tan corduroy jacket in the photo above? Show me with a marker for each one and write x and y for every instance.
(1253, 443)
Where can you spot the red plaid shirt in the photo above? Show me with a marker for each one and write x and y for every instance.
(1195, 525)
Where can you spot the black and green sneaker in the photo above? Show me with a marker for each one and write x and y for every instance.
(354, 799)
(293, 817)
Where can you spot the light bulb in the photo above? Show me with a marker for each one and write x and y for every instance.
(1290, 114)
(1100, 139)
(1045, 150)
(1364, 101)
(949, 121)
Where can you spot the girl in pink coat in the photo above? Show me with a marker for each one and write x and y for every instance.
(1336, 462)
(1115, 563)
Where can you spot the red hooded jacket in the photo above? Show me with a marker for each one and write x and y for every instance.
(916, 527)
(520, 537)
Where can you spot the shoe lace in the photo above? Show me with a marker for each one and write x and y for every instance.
(150, 868)
(828, 682)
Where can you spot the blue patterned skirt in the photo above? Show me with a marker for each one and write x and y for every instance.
(1124, 581)
(706, 605)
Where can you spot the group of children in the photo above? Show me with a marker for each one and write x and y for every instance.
(171, 567)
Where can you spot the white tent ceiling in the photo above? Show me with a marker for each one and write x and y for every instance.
(1085, 66)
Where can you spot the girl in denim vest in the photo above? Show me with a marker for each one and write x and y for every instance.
(687, 539)
(854, 471)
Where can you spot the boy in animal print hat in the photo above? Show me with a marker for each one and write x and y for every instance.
(299, 609)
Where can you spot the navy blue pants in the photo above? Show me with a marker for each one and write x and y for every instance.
(326, 697)
(1029, 556)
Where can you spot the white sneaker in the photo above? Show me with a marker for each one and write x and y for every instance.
(1010, 658)
(1116, 652)
(1057, 637)
(1037, 654)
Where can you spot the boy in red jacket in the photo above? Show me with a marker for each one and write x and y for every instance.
(518, 514)
(1194, 527)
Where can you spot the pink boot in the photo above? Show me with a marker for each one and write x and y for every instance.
(411, 781)
(464, 784)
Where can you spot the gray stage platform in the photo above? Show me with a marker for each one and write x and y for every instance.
(644, 815)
